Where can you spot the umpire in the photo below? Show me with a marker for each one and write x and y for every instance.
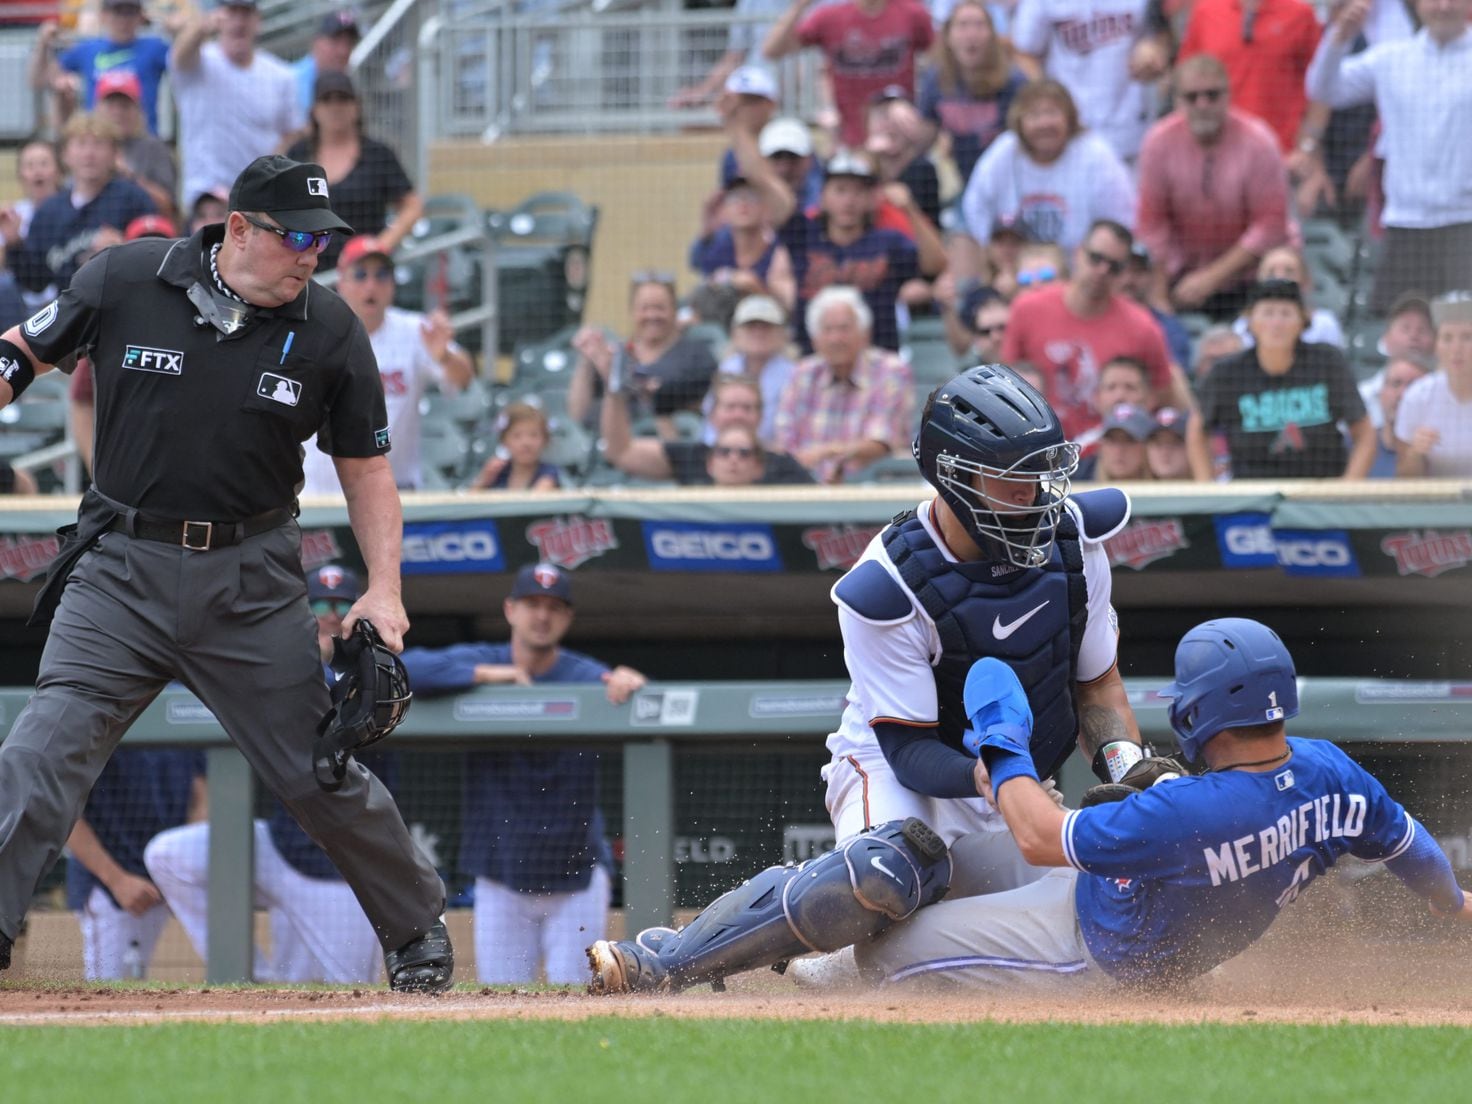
(215, 358)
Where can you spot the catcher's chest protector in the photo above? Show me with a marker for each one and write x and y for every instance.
(1031, 618)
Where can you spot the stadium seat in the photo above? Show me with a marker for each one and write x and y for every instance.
(467, 407)
(1324, 243)
(932, 361)
(927, 327)
(37, 416)
(443, 451)
(712, 335)
(540, 364)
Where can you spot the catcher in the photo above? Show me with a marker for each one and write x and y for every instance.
(1156, 888)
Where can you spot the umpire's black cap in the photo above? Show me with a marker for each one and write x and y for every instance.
(542, 578)
(294, 193)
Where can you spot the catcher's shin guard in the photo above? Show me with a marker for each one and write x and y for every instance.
(841, 897)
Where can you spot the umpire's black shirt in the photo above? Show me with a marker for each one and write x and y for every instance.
(191, 427)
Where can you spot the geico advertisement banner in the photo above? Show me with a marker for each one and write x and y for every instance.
(706, 546)
(452, 547)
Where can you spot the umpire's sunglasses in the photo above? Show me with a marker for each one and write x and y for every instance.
(298, 241)
(321, 607)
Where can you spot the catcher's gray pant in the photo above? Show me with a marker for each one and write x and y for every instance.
(1023, 941)
(233, 625)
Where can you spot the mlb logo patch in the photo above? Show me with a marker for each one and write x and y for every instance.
(1284, 780)
(317, 186)
(279, 389)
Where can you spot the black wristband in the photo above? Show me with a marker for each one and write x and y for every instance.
(15, 368)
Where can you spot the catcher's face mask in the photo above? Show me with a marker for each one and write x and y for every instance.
(369, 700)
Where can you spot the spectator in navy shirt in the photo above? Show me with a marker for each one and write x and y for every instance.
(744, 252)
(967, 93)
(73, 74)
(843, 246)
(524, 433)
(85, 218)
(533, 833)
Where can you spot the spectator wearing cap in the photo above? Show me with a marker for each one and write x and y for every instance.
(752, 92)
(1433, 426)
(744, 47)
(150, 226)
(1280, 403)
(659, 369)
(332, 50)
(73, 74)
(734, 401)
(522, 435)
(759, 339)
(1285, 262)
(1213, 195)
(143, 158)
(743, 251)
(1122, 447)
(415, 353)
(74, 224)
(1395, 378)
(776, 158)
(967, 93)
(1071, 330)
(1047, 174)
(850, 403)
(1139, 284)
(1166, 448)
(1103, 52)
(868, 45)
(367, 182)
(843, 246)
(1422, 88)
(236, 102)
(532, 830)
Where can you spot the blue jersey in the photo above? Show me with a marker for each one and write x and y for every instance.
(138, 795)
(878, 263)
(717, 252)
(146, 58)
(1191, 872)
(529, 819)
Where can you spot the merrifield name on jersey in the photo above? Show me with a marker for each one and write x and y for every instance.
(1331, 815)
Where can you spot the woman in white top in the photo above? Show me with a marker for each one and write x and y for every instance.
(1433, 426)
(1047, 174)
(1286, 263)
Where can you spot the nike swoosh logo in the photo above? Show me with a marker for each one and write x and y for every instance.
(879, 865)
(1002, 632)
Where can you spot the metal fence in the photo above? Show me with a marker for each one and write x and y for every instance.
(484, 72)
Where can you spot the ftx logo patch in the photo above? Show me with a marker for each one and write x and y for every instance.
(166, 362)
(380, 437)
(279, 389)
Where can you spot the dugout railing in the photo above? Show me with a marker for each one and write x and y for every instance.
(668, 720)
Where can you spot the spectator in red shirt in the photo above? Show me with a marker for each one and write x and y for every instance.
(868, 44)
(1071, 330)
(1213, 195)
(1265, 46)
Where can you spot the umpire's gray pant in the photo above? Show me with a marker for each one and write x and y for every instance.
(233, 625)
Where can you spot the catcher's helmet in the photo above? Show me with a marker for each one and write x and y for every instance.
(369, 700)
(1230, 673)
(989, 424)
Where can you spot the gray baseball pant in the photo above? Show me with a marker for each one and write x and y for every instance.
(233, 625)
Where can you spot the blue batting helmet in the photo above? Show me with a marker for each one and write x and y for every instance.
(989, 424)
(1230, 673)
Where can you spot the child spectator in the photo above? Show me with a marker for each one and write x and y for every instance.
(1166, 448)
(518, 466)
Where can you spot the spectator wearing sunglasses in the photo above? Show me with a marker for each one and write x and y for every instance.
(981, 317)
(236, 102)
(367, 180)
(736, 459)
(73, 73)
(81, 220)
(1213, 196)
(415, 353)
(1071, 330)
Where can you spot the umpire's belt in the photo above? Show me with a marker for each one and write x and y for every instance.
(199, 536)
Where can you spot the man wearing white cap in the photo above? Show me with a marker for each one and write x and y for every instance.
(759, 337)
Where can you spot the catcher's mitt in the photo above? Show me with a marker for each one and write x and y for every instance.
(369, 699)
(1140, 777)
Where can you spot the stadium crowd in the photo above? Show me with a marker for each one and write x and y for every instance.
(1129, 200)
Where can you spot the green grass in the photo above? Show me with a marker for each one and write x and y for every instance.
(672, 1061)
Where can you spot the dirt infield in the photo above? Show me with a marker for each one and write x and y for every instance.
(1297, 975)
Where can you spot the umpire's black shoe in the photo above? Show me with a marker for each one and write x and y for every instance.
(423, 965)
